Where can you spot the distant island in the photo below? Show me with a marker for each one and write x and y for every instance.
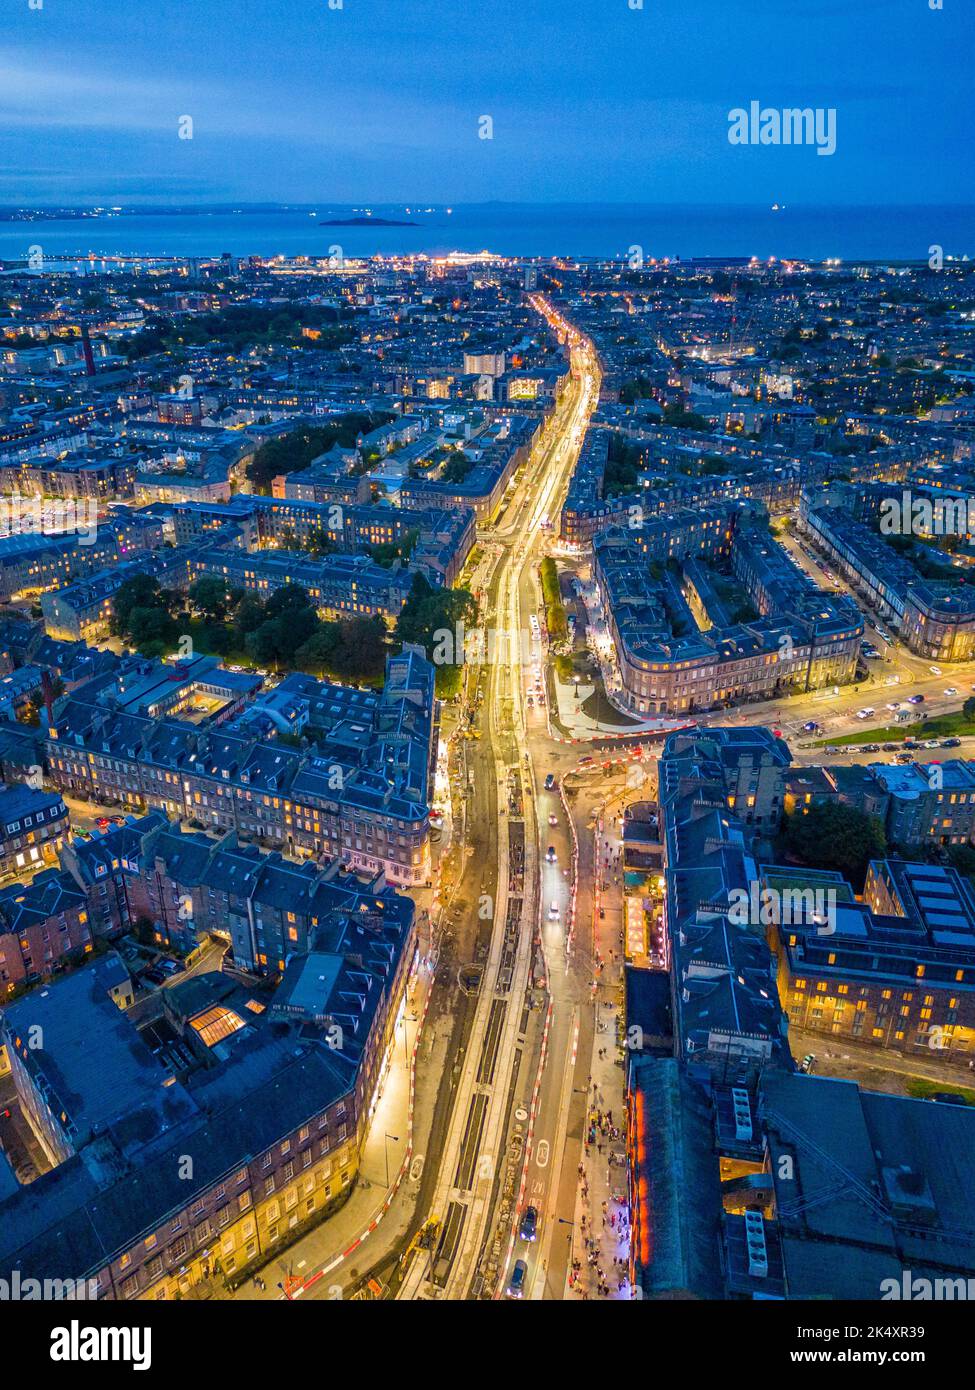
(366, 222)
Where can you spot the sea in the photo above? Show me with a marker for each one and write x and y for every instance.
(507, 229)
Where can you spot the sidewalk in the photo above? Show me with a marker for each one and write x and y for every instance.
(580, 725)
(325, 1261)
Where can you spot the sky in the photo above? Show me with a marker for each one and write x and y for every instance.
(382, 101)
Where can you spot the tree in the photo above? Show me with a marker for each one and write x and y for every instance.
(153, 631)
(211, 597)
(832, 835)
(428, 611)
(141, 591)
(456, 469)
(352, 647)
(142, 613)
(248, 615)
(296, 450)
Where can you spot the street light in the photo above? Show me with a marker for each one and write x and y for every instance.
(395, 1139)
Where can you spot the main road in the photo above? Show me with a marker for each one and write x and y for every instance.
(504, 1046)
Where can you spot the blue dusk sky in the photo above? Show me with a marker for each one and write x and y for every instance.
(379, 101)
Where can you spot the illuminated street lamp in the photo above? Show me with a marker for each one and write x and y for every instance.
(386, 1138)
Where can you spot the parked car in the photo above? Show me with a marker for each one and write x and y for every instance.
(808, 1062)
(550, 781)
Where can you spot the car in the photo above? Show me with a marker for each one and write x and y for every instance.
(554, 909)
(870, 748)
(516, 1284)
(891, 747)
(550, 781)
(531, 703)
(550, 854)
(810, 726)
(585, 760)
(528, 1229)
(808, 1062)
(951, 690)
(915, 700)
(871, 654)
(951, 743)
(553, 820)
(904, 758)
(171, 967)
(893, 704)
(935, 670)
(103, 822)
(866, 712)
(930, 743)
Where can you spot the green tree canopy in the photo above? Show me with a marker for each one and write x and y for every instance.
(832, 835)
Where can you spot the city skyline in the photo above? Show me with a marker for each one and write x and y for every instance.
(487, 669)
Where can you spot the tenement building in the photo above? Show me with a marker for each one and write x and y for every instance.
(670, 663)
(173, 1171)
(933, 618)
(359, 794)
